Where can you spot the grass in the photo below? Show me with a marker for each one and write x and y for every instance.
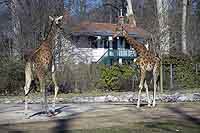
(147, 127)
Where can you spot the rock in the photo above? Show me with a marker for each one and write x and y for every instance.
(19, 102)
(100, 99)
(7, 101)
(172, 98)
(132, 99)
(77, 99)
(182, 98)
(110, 98)
(186, 98)
(196, 96)
(123, 97)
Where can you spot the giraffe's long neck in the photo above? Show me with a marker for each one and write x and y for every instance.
(139, 48)
(51, 36)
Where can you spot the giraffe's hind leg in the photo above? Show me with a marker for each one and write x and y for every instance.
(155, 77)
(28, 79)
(147, 93)
(44, 93)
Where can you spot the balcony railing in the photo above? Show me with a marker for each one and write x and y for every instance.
(121, 53)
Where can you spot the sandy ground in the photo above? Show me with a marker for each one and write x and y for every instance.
(90, 116)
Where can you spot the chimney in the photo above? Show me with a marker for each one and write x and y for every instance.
(121, 18)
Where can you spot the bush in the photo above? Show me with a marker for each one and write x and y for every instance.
(116, 77)
(11, 76)
(184, 72)
(186, 76)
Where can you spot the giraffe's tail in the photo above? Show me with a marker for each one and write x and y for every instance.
(28, 77)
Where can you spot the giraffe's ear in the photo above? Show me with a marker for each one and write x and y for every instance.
(59, 18)
(51, 18)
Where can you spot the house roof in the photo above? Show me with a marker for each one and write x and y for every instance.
(92, 28)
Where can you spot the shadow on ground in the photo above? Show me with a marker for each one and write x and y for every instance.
(59, 125)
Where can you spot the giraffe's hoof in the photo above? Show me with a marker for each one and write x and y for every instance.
(51, 113)
(27, 116)
(149, 105)
(137, 106)
(154, 105)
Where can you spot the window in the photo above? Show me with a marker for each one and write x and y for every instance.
(127, 46)
(114, 43)
(92, 41)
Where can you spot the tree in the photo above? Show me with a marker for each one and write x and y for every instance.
(131, 16)
(162, 9)
(184, 20)
(30, 20)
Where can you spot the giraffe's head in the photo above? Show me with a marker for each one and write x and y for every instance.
(56, 21)
(120, 32)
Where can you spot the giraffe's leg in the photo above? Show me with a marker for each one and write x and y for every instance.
(28, 79)
(141, 86)
(44, 93)
(147, 92)
(155, 77)
(56, 89)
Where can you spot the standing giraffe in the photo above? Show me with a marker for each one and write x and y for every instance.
(41, 63)
(147, 62)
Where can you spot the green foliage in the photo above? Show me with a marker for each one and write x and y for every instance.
(112, 77)
(186, 76)
(11, 76)
(184, 70)
(176, 59)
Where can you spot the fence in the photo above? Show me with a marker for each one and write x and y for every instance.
(83, 77)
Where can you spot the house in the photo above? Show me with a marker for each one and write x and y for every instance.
(96, 40)
(92, 42)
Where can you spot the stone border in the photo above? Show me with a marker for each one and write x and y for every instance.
(128, 97)
(177, 97)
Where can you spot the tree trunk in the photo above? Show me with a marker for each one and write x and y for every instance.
(162, 9)
(184, 20)
(161, 76)
(164, 38)
(131, 16)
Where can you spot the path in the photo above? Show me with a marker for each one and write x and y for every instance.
(92, 116)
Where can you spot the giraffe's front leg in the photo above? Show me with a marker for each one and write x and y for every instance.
(55, 91)
(143, 73)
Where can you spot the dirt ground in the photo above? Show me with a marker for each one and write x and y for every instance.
(177, 117)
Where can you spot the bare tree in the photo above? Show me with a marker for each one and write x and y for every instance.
(131, 16)
(30, 20)
(162, 9)
(184, 20)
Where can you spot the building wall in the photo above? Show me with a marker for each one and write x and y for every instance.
(89, 54)
(82, 42)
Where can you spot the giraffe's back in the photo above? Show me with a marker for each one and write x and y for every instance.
(148, 61)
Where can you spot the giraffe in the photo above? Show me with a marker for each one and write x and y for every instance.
(40, 64)
(147, 61)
